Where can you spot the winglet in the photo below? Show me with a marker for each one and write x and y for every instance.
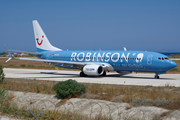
(9, 54)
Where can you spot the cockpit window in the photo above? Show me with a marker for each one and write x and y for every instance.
(163, 58)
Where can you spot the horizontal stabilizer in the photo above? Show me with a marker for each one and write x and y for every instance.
(26, 52)
(7, 50)
(9, 54)
(8, 60)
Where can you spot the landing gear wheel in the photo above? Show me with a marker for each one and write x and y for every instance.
(82, 74)
(156, 76)
(104, 73)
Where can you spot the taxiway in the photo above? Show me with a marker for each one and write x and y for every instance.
(111, 78)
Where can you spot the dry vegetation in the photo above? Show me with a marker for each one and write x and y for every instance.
(15, 63)
(174, 56)
(176, 70)
(166, 97)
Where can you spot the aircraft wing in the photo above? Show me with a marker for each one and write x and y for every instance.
(56, 61)
(106, 66)
(73, 63)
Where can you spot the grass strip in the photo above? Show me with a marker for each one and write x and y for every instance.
(166, 97)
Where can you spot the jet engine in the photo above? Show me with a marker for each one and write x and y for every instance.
(93, 70)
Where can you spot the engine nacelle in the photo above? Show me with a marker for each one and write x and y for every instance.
(93, 70)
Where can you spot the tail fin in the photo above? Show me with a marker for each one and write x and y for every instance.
(42, 42)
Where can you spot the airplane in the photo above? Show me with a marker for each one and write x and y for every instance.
(97, 62)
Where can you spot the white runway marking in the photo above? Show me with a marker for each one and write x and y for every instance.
(111, 78)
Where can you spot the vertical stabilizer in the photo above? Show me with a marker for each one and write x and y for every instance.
(42, 42)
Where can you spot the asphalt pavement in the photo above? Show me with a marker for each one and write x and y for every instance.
(110, 78)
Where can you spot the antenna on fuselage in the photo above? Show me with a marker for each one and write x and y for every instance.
(125, 49)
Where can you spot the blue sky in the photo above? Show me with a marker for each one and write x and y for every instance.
(152, 25)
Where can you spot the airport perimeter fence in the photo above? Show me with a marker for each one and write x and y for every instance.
(78, 109)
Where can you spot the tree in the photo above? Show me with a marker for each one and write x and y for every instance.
(1, 74)
(4, 53)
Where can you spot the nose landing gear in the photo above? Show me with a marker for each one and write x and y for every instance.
(156, 76)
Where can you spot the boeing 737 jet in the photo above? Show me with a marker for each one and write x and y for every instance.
(98, 62)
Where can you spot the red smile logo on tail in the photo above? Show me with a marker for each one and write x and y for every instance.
(41, 40)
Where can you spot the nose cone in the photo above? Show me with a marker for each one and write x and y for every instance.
(172, 64)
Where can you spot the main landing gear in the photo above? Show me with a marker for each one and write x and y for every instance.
(104, 73)
(82, 74)
(156, 76)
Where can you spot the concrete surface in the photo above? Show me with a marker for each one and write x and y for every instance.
(90, 107)
(111, 78)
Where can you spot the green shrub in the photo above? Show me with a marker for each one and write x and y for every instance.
(68, 88)
(31, 55)
(1, 74)
(142, 102)
(161, 102)
(41, 67)
(16, 55)
(11, 65)
(3, 92)
(23, 65)
(30, 66)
